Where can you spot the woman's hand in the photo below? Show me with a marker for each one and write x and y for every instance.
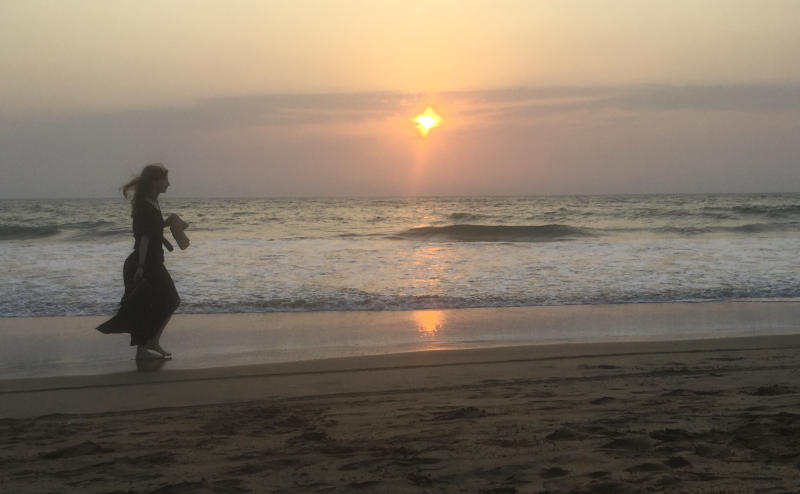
(139, 274)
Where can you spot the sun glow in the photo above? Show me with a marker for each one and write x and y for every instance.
(426, 121)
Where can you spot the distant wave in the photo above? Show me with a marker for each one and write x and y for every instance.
(557, 232)
(493, 233)
(466, 217)
(20, 232)
(777, 211)
(760, 228)
(77, 231)
(751, 228)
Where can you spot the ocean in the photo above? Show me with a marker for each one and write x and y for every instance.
(64, 257)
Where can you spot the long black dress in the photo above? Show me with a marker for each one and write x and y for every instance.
(148, 304)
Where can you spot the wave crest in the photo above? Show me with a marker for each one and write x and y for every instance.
(773, 211)
(466, 217)
(68, 231)
(493, 233)
(21, 232)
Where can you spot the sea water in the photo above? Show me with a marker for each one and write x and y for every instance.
(64, 257)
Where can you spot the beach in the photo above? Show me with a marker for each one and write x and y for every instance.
(689, 415)
(413, 247)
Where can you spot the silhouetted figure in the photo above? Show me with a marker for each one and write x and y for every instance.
(150, 296)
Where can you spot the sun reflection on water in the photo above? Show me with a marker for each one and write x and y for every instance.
(429, 322)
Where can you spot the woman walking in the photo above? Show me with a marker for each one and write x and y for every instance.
(150, 296)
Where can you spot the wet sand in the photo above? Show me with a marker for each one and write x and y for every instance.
(63, 346)
(718, 415)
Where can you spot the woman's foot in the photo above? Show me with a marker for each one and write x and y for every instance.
(143, 353)
(156, 347)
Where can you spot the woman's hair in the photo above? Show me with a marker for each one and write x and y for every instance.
(142, 184)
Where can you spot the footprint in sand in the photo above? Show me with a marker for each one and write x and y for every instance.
(461, 413)
(84, 448)
(632, 443)
(553, 472)
(671, 435)
(677, 462)
(647, 467)
(565, 434)
(774, 390)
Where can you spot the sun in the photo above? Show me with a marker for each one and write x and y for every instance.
(426, 121)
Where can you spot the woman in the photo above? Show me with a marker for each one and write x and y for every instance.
(150, 296)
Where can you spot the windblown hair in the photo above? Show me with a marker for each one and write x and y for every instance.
(143, 184)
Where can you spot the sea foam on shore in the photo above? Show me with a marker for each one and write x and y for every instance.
(64, 257)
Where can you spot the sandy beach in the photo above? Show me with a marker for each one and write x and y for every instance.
(432, 246)
(716, 415)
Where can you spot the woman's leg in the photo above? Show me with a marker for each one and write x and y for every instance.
(135, 312)
(154, 342)
(169, 301)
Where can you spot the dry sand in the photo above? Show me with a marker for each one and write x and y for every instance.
(688, 416)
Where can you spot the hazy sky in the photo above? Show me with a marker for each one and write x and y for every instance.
(303, 97)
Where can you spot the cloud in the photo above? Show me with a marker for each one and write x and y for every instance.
(283, 143)
(310, 109)
(503, 104)
(738, 98)
(520, 103)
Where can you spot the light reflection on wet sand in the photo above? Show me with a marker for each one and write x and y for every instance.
(63, 346)
(429, 322)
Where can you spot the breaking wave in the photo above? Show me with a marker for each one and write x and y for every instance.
(493, 233)
(78, 231)
(20, 232)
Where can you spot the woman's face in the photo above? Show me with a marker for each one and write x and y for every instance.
(161, 184)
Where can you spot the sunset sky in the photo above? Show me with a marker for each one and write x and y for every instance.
(317, 98)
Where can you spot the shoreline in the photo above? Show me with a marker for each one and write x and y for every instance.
(70, 346)
(23, 394)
